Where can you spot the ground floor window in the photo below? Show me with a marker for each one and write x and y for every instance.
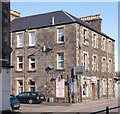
(109, 86)
(85, 90)
(31, 85)
(20, 86)
(103, 87)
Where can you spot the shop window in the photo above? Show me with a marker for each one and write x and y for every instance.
(20, 86)
(32, 86)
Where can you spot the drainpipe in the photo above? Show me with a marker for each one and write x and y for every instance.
(80, 58)
(25, 61)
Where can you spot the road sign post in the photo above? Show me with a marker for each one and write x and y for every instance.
(79, 71)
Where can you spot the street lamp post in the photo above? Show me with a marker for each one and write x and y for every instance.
(80, 58)
(107, 69)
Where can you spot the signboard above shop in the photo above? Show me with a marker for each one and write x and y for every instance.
(93, 79)
(79, 70)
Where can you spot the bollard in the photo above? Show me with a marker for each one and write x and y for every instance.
(107, 110)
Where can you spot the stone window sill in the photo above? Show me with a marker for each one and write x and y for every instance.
(17, 71)
(31, 71)
(60, 69)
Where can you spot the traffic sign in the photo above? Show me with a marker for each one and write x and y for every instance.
(79, 70)
(68, 81)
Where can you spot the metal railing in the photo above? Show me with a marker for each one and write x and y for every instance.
(107, 110)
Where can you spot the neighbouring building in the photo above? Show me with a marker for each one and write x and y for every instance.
(5, 51)
(47, 46)
(117, 83)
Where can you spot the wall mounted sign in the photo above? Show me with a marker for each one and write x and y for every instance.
(79, 70)
(73, 88)
(60, 88)
(93, 79)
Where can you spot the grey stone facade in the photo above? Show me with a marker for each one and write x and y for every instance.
(48, 35)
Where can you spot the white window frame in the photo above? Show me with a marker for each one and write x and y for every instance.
(58, 61)
(85, 33)
(19, 44)
(94, 40)
(109, 43)
(19, 86)
(103, 44)
(18, 62)
(94, 63)
(110, 83)
(104, 64)
(30, 62)
(85, 62)
(31, 38)
(31, 86)
(103, 87)
(109, 65)
(59, 34)
(85, 91)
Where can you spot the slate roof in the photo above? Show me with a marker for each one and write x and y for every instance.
(45, 19)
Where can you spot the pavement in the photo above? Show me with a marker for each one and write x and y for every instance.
(83, 102)
(83, 108)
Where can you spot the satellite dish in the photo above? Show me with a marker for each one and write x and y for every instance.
(50, 47)
(51, 66)
(34, 79)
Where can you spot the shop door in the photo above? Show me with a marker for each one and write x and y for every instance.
(98, 89)
(93, 91)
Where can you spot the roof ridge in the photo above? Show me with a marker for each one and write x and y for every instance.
(66, 13)
(95, 29)
(37, 14)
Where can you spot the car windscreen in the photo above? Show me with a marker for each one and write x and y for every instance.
(12, 98)
(40, 94)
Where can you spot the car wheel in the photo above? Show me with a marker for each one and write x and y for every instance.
(11, 108)
(30, 101)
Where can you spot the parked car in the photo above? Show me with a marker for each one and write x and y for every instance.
(42, 96)
(29, 97)
(14, 103)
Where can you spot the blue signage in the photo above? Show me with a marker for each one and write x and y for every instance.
(68, 81)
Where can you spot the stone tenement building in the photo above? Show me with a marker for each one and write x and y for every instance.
(47, 46)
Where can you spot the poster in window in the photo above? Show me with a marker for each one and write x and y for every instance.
(60, 86)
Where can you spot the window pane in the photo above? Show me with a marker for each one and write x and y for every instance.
(32, 38)
(20, 39)
(32, 89)
(20, 66)
(60, 56)
(60, 35)
(94, 40)
(61, 64)
(20, 59)
(32, 58)
(32, 65)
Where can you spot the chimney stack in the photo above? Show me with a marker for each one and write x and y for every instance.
(94, 20)
(14, 14)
